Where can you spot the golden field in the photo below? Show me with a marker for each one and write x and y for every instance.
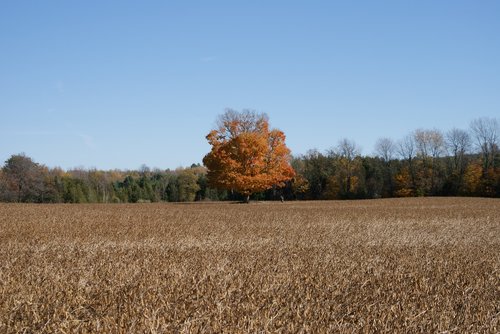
(428, 265)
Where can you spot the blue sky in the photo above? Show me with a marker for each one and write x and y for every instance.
(118, 84)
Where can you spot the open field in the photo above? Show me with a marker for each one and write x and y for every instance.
(398, 265)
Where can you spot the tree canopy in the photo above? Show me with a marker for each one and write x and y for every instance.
(247, 156)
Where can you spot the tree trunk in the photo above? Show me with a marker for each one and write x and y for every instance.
(247, 199)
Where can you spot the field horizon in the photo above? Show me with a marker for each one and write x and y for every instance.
(384, 265)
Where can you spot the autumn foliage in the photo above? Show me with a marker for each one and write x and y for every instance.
(246, 155)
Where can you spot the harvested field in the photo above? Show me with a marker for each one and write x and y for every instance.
(398, 265)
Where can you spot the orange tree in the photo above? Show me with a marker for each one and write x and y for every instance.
(246, 155)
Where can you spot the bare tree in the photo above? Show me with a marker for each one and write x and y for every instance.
(421, 143)
(145, 170)
(406, 148)
(407, 151)
(436, 143)
(486, 133)
(458, 143)
(347, 151)
(233, 122)
(385, 148)
(429, 143)
(430, 146)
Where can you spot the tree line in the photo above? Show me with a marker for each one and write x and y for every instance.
(426, 162)
(23, 180)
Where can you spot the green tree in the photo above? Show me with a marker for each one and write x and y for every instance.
(317, 169)
(187, 181)
(74, 190)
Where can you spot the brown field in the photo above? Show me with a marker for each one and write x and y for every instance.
(399, 265)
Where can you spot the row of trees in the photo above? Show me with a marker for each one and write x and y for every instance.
(23, 180)
(249, 159)
(423, 163)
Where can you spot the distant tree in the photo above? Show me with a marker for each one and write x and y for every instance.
(246, 155)
(173, 189)
(23, 179)
(132, 189)
(376, 181)
(299, 186)
(74, 190)
(187, 184)
(429, 143)
(205, 191)
(347, 181)
(486, 132)
(472, 179)
(458, 144)
(385, 148)
(144, 170)
(317, 169)
(430, 146)
(145, 183)
(50, 191)
(160, 182)
(406, 178)
(404, 183)
(406, 149)
(100, 185)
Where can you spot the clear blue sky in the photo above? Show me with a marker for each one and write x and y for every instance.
(117, 84)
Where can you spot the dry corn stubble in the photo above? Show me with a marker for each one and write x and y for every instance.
(398, 265)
